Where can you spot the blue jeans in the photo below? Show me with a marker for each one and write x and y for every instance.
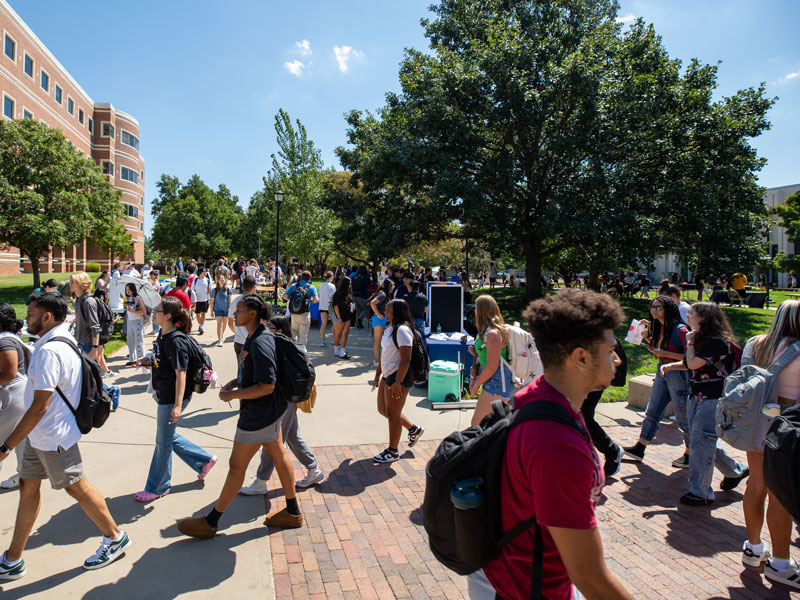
(705, 453)
(167, 442)
(419, 325)
(672, 388)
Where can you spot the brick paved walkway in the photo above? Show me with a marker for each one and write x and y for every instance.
(364, 536)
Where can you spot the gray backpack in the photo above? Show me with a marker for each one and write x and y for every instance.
(746, 391)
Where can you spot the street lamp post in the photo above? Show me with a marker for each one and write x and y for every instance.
(258, 231)
(278, 201)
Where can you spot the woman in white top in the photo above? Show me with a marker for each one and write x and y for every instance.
(762, 351)
(398, 378)
(326, 291)
(136, 312)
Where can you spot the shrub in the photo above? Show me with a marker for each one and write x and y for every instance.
(92, 267)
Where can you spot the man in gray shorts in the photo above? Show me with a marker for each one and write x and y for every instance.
(52, 449)
(259, 423)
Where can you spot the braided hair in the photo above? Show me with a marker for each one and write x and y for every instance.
(258, 304)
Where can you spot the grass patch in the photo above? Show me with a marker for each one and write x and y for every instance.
(746, 322)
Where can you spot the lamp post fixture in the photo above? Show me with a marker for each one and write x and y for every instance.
(258, 231)
(278, 202)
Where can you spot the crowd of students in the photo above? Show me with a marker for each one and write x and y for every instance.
(550, 470)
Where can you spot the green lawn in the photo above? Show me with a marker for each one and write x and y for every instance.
(15, 289)
(746, 322)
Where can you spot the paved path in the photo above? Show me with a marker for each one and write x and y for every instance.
(364, 536)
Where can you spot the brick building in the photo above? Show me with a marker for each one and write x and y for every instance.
(34, 85)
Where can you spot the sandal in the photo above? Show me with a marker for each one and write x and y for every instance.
(145, 496)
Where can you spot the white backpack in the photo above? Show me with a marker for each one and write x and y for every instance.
(524, 361)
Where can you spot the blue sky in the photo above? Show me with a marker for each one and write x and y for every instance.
(205, 79)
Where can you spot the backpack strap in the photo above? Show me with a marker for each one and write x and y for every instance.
(785, 359)
(74, 346)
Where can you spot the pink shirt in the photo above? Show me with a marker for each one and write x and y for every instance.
(789, 379)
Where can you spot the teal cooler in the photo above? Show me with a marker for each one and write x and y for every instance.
(444, 378)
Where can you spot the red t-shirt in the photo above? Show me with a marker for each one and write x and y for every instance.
(187, 304)
(552, 471)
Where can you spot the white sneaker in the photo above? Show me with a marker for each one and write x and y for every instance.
(314, 476)
(375, 363)
(751, 559)
(219, 343)
(257, 488)
(11, 483)
(788, 577)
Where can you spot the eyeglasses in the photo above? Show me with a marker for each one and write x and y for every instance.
(656, 307)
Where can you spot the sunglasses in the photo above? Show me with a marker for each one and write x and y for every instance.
(656, 307)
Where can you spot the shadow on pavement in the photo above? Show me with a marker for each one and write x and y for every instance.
(352, 478)
(203, 418)
(688, 528)
(755, 586)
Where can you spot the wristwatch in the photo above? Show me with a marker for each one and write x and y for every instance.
(5, 449)
(95, 346)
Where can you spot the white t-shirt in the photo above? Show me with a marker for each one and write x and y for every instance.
(253, 271)
(200, 287)
(390, 354)
(326, 292)
(683, 309)
(241, 332)
(132, 272)
(55, 364)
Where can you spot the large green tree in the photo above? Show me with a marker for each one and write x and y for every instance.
(51, 195)
(194, 220)
(540, 126)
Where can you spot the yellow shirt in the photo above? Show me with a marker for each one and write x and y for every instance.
(739, 281)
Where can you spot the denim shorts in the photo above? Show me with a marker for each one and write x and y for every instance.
(376, 322)
(220, 313)
(495, 384)
(334, 318)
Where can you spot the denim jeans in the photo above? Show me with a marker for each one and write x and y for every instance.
(705, 453)
(672, 388)
(293, 439)
(419, 325)
(135, 338)
(167, 442)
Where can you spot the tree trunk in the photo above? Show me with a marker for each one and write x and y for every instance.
(37, 278)
(533, 268)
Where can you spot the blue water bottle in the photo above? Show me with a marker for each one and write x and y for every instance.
(467, 493)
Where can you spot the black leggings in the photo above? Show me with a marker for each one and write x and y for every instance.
(604, 444)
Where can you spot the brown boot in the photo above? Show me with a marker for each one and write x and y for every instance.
(197, 527)
(283, 518)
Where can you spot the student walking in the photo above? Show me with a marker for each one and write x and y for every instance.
(87, 319)
(378, 303)
(13, 380)
(201, 286)
(52, 449)
(290, 431)
(300, 296)
(170, 362)
(361, 283)
(326, 292)
(135, 315)
(220, 304)
(394, 378)
(763, 351)
(709, 358)
(342, 310)
(259, 423)
(240, 333)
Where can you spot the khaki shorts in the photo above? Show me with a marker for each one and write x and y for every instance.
(62, 467)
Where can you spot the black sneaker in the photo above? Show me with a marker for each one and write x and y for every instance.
(635, 452)
(414, 434)
(728, 483)
(682, 462)
(613, 461)
(345, 356)
(386, 456)
(691, 500)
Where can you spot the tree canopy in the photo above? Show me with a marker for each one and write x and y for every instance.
(51, 195)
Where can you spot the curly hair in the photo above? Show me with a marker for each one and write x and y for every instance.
(713, 323)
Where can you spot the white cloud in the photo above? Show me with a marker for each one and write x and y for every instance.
(344, 54)
(790, 76)
(294, 67)
(304, 47)
(626, 19)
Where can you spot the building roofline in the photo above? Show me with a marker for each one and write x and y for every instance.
(116, 111)
(783, 187)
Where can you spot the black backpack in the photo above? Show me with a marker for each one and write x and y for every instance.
(298, 301)
(296, 375)
(782, 460)
(420, 365)
(198, 374)
(466, 540)
(95, 402)
(106, 318)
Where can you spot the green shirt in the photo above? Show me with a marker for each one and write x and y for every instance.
(480, 351)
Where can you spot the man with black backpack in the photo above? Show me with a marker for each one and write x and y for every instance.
(300, 296)
(55, 377)
(551, 470)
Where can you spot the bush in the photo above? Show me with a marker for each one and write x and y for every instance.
(92, 267)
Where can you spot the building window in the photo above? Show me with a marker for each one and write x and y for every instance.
(141, 226)
(131, 211)
(108, 167)
(129, 139)
(91, 126)
(28, 66)
(80, 116)
(107, 130)
(8, 107)
(70, 106)
(11, 48)
(26, 114)
(141, 200)
(129, 175)
(45, 81)
(58, 94)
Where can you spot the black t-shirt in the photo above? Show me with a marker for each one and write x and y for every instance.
(12, 343)
(417, 303)
(257, 365)
(707, 381)
(401, 292)
(344, 304)
(170, 352)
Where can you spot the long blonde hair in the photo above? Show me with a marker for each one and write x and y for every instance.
(785, 328)
(487, 316)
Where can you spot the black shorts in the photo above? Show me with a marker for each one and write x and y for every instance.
(323, 311)
(201, 307)
(407, 382)
(492, 278)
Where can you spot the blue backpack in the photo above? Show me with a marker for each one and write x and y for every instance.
(299, 300)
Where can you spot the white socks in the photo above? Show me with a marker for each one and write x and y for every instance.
(756, 548)
(336, 351)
